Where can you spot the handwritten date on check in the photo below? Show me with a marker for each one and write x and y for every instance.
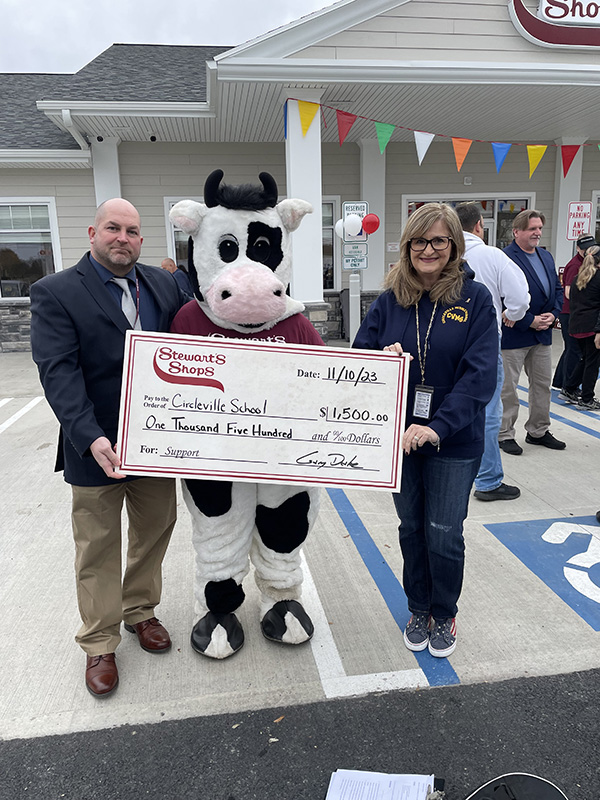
(256, 411)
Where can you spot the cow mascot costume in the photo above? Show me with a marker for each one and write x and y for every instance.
(240, 268)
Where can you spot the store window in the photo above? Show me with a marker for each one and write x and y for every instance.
(497, 212)
(329, 261)
(596, 226)
(27, 251)
(178, 247)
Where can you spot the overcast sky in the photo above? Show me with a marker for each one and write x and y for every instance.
(64, 35)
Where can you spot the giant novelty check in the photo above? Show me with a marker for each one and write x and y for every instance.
(227, 409)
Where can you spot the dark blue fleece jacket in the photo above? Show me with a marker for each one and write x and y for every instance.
(461, 362)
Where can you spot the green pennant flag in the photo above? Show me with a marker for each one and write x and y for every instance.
(384, 133)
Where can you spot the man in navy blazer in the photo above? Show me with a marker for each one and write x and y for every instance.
(78, 336)
(528, 343)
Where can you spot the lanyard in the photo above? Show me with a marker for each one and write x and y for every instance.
(423, 355)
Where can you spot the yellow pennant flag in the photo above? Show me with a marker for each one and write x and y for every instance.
(535, 153)
(307, 113)
(461, 148)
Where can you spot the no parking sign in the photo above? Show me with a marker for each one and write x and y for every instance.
(579, 220)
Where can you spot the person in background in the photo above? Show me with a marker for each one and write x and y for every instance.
(528, 344)
(180, 275)
(79, 318)
(433, 309)
(584, 298)
(569, 370)
(508, 287)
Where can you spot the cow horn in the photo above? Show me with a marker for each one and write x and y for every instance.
(270, 187)
(211, 187)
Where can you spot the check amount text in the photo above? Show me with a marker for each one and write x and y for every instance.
(348, 414)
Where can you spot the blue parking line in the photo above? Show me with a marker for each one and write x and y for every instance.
(438, 671)
(571, 423)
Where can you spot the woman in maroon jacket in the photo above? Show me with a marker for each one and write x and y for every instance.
(584, 299)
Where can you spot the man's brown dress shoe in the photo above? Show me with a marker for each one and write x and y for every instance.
(153, 637)
(101, 676)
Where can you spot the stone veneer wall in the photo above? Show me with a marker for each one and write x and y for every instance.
(15, 319)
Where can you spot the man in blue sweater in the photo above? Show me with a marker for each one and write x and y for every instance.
(528, 344)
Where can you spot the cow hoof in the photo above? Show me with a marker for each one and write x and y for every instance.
(217, 635)
(287, 622)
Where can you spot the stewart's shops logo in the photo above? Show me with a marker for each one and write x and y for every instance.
(559, 23)
(193, 369)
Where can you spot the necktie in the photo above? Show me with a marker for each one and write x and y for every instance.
(127, 305)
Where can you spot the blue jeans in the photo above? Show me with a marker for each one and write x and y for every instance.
(432, 507)
(490, 473)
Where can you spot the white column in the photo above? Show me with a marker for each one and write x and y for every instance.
(107, 176)
(303, 177)
(566, 190)
(372, 189)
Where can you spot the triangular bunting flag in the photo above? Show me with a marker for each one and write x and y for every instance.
(535, 153)
(568, 153)
(461, 148)
(500, 152)
(307, 113)
(422, 142)
(345, 121)
(384, 133)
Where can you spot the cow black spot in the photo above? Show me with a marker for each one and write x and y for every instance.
(212, 498)
(285, 528)
(223, 597)
(264, 245)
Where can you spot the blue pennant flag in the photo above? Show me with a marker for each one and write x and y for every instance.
(500, 153)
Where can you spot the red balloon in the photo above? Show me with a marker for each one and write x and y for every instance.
(370, 223)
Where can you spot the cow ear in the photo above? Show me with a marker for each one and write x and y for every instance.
(292, 211)
(188, 215)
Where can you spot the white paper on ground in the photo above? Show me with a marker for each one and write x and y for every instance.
(348, 784)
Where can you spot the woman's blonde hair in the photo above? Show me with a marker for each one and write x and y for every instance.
(589, 265)
(404, 280)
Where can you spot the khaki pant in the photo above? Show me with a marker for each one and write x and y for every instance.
(104, 598)
(537, 361)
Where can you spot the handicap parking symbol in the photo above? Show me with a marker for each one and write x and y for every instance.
(564, 554)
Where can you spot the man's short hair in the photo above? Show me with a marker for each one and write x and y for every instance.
(521, 221)
(469, 215)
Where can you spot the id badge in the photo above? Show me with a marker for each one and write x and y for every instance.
(423, 399)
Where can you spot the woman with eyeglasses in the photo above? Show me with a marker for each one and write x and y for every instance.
(432, 309)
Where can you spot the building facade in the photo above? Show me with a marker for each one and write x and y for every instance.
(365, 100)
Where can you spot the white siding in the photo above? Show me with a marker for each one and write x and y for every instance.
(590, 179)
(469, 30)
(75, 202)
(151, 172)
(341, 171)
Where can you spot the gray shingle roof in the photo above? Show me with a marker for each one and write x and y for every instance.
(123, 72)
(22, 126)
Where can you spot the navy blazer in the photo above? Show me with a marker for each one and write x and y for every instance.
(522, 335)
(77, 341)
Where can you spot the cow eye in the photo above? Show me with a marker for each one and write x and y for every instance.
(260, 250)
(228, 248)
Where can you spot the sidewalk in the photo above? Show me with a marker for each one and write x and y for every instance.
(524, 612)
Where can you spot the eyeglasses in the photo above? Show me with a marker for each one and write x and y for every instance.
(438, 243)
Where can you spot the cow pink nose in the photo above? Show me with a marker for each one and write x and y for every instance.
(247, 294)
